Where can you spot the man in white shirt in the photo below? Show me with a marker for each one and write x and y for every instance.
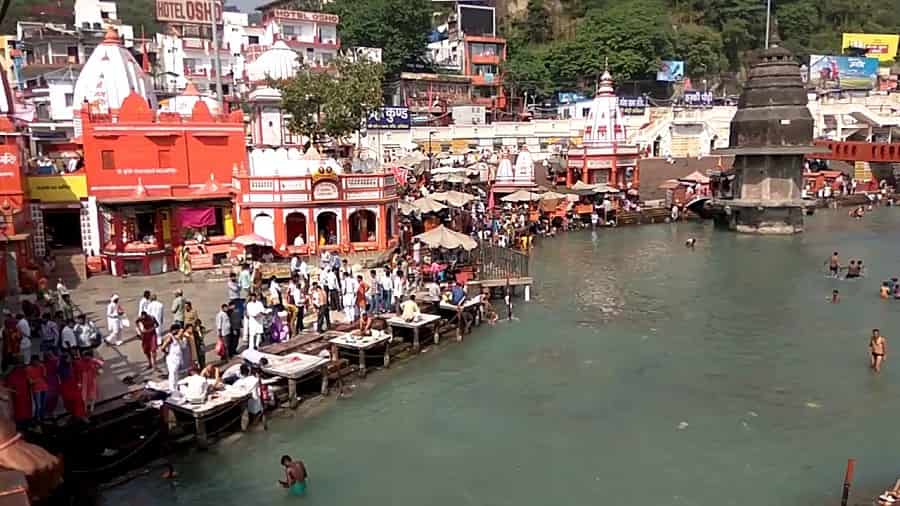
(144, 303)
(399, 293)
(255, 310)
(194, 388)
(387, 287)
(349, 297)
(298, 299)
(113, 322)
(157, 310)
(331, 284)
(295, 265)
(68, 339)
(85, 332)
(223, 324)
(250, 383)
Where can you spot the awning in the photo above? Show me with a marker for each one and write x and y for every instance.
(521, 196)
(453, 198)
(428, 205)
(443, 237)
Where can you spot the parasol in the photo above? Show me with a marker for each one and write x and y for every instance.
(552, 195)
(521, 196)
(695, 177)
(443, 237)
(252, 240)
(428, 205)
(406, 208)
(453, 198)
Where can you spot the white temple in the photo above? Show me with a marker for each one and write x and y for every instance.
(277, 62)
(267, 122)
(290, 162)
(110, 75)
(519, 176)
(184, 103)
(605, 123)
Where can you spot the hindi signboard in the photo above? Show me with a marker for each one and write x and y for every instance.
(877, 45)
(389, 118)
(698, 98)
(188, 11)
(633, 106)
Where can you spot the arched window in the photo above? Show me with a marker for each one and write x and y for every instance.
(363, 226)
(263, 226)
(327, 228)
(295, 228)
(390, 222)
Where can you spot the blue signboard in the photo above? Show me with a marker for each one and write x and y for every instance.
(389, 118)
(698, 98)
(843, 72)
(670, 70)
(634, 106)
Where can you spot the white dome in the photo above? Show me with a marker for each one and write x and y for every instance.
(110, 75)
(277, 62)
(184, 104)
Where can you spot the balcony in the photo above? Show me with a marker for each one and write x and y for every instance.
(297, 189)
(487, 80)
(487, 59)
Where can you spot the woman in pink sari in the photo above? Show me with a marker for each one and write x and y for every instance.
(87, 368)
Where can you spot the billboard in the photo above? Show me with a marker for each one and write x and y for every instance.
(670, 70)
(633, 106)
(477, 20)
(389, 118)
(843, 72)
(570, 97)
(880, 46)
(188, 11)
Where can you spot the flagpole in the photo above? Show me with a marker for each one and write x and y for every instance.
(768, 18)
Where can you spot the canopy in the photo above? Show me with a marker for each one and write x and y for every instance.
(552, 195)
(406, 208)
(448, 170)
(669, 184)
(521, 196)
(443, 237)
(252, 240)
(695, 177)
(453, 198)
(428, 205)
(586, 189)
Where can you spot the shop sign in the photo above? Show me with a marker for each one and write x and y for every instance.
(633, 106)
(57, 188)
(325, 191)
(389, 118)
(188, 11)
(313, 17)
(10, 171)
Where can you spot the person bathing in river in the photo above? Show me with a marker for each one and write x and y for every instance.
(878, 347)
(834, 264)
(854, 270)
(295, 475)
(835, 297)
(885, 291)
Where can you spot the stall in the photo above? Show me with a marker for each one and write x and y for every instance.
(293, 367)
(424, 321)
(361, 345)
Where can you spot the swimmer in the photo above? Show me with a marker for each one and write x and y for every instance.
(295, 475)
(834, 264)
(690, 243)
(878, 347)
(885, 291)
(854, 269)
(835, 297)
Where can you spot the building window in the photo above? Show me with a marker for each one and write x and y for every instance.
(165, 159)
(484, 69)
(253, 39)
(479, 49)
(108, 158)
(43, 111)
(327, 58)
(585, 112)
(484, 92)
(70, 99)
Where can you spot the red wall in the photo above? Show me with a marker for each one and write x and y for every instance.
(197, 147)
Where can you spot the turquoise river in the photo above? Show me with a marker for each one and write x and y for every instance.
(641, 373)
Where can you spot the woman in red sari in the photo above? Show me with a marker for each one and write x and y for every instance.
(87, 368)
(70, 389)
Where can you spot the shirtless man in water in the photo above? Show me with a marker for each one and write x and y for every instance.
(834, 264)
(878, 346)
(295, 475)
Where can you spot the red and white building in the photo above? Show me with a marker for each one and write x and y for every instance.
(605, 156)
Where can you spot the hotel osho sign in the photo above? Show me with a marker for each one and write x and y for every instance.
(188, 11)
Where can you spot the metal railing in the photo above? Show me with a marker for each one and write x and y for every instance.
(495, 262)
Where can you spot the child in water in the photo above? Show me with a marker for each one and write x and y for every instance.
(885, 291)
(835, 297)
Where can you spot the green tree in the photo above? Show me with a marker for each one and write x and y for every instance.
(537, 25)
(332, 104)
(527, 70)
(399, 27)
(701, 49)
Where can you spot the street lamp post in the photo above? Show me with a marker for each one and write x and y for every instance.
(768, 18)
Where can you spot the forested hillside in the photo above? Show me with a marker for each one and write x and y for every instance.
(561, 44)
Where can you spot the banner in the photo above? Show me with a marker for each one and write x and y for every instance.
(698, 98)
(57, 188)
(843, 72)
(670, 70)
(389, 118)
(877, 45)
(633, 106)
(570, 97)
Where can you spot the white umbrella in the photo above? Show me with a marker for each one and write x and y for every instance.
(443, 237)
(453, 198)
(551, 195)
(252, 240)
(428, 205)
(521, 196)
(407, 208)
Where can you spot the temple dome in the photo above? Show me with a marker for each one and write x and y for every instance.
(184, 103)
(277, 62)
(110, 74)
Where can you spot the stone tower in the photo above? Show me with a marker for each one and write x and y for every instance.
(770, 134)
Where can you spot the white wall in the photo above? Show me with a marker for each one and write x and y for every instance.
(58, 109)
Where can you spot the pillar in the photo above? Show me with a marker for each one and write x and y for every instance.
(280, 225)
(570, 178)
(343, 228)
(613, 173)
(636, 179)
(381, 229)
(312, 241)
(585, 175)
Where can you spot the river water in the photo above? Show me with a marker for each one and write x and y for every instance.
(641, 373)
